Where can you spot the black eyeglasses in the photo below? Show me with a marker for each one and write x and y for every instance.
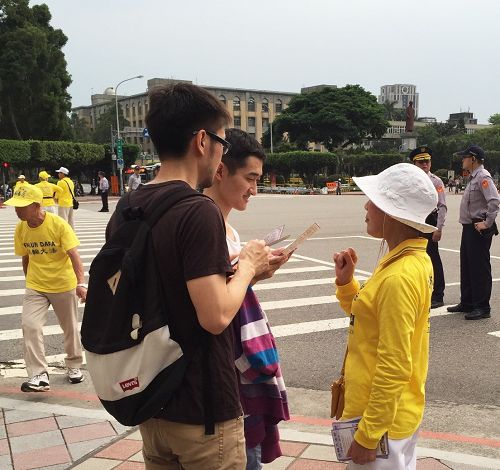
(226, 146)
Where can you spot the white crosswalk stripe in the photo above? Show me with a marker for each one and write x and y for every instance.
(314, 276)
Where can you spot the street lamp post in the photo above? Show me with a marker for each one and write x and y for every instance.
(120, 167)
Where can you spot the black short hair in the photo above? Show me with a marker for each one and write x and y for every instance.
(243, 145)
(175, 111)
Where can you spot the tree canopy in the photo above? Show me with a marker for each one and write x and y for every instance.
(107, 121)
(34, 101)
(334, 117)
(494, 119)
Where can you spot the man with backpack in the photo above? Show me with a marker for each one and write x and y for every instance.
(200, 424)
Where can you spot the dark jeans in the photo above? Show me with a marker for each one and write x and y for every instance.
(437, 265)
(104, 199)
(475, 268)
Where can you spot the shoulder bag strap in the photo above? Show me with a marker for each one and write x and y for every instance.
(71, 192)
(342, 372)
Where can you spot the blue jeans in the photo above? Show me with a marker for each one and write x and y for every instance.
(254, 458)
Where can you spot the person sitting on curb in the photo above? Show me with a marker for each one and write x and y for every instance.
(54, 276)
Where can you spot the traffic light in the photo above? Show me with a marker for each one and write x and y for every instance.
(5, 165)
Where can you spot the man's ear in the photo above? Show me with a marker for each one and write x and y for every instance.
(220, 171)
(199, 142)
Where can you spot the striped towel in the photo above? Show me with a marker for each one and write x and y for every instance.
(262, 389)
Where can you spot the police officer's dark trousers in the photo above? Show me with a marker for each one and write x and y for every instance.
(437, 265)
(475, 268)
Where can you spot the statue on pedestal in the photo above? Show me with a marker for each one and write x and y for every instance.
(410, 117)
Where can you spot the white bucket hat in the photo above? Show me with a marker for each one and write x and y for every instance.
(63, 170)
(403, 192)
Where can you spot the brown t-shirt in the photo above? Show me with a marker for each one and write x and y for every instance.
(190, 242)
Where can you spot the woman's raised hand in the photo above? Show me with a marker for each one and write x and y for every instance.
(345, 262)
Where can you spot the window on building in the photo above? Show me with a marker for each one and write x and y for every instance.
(237, 121)
(127, 110)
(251, 122)
(140, 122)
(133, 124)
(133, 110)
(265, 124)
(251, 105)
(139, 108)
(146, 107)
(252, 134)
(223, 100)
(265, 105)
(279, 106)
(236, 104)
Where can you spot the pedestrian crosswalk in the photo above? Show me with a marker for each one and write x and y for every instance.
(299, 299)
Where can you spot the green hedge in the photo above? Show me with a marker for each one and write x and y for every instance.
(34, 153)
(16, 152)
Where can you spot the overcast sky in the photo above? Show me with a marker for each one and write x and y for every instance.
(450, 49)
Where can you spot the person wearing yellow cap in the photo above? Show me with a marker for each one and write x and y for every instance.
(21, 180)
(54, 276)
(49, 191)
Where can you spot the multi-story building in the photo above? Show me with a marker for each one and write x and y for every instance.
(400, 94)
(467, 117)
(251, 110)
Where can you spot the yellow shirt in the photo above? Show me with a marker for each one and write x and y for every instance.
(388, 344)
(49, 268)
(19, 183)
(48, 190)
(64, 199)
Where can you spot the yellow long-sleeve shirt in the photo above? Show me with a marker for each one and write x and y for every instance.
(387, 362)
(49, 190)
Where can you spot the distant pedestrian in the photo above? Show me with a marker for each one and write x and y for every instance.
(478, 210)
(54, 276)
(421, 157)
(21, 179)
(338, 189)
(65, 199)
(457, 186)
(104, 189)
(135, 180)
(50, 191)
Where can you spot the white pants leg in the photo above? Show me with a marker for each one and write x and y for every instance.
(402, 456)
(52, 209)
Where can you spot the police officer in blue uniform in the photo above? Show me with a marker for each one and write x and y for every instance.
(421, 157)
(478, 210)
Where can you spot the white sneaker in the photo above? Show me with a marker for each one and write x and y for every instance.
(75, 376)
(37, 383)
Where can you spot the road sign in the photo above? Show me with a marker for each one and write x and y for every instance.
(119, 163)
(113, 156)
(119, 148)
(145, 132)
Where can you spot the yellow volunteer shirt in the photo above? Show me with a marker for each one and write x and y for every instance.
(48, 190)
(49, 268)
(64, 199)
(388, 344)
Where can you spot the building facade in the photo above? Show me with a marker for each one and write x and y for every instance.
(400, 94)
(251, 110)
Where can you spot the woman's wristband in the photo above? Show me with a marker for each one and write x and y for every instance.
(82, 285)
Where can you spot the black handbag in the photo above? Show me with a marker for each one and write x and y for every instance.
(76, 204)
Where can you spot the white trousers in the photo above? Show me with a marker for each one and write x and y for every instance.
(67, 214)
(52, 209)
(402, 456)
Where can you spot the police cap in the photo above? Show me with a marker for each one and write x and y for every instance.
(474, 151)
(420, 153)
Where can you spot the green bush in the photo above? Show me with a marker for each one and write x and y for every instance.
(15, 152)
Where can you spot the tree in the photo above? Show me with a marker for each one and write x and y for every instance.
(494, 119)
(391, 113)
(80, 132)
(33, 79)
(333, 117)
(106, 122)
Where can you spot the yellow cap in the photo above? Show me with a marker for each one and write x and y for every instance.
(44, 175)
(25, 195)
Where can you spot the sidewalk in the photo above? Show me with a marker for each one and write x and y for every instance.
(33, 437)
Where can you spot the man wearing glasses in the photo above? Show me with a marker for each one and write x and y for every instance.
(421, 157)
(201, 426)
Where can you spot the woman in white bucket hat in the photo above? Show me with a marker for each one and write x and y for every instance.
(388, 344)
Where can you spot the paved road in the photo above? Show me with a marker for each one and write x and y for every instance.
(463, 387)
